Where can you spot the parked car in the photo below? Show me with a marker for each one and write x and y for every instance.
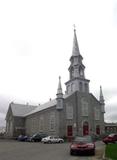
(37, 137)
(52, 139)
(111, 138)
(82, 145)
(22, 138)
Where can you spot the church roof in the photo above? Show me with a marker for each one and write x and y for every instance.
(43, 106)
(20, 109)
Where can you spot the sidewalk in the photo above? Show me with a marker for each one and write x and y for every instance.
(100, 151)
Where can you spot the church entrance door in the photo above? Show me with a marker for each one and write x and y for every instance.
(69, 131)
(85, 128)
(98, 129)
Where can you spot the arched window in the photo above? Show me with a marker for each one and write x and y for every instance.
(81, 71)
(80, 86)
(72, 87)
(86, 87)
(84, 109)
(52, 121)
(72, 73)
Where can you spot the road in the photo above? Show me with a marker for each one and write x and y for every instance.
(37, 151)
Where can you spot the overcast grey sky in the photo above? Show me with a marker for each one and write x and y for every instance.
(36, 43)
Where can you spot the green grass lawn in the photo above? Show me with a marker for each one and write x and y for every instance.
(111, 151)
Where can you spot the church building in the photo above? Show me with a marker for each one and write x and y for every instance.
(77, 112)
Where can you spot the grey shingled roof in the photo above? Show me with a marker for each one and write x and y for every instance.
(25, 110)
(21, 109)
(43, 106)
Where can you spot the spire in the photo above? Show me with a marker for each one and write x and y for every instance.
(59, 97)
(75, 50)
(59, 91)
(101, 96)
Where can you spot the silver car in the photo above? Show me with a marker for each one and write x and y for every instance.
(52, 139)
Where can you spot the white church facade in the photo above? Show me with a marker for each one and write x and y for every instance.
(77, 112)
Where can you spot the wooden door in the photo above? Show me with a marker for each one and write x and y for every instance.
(85, 129)
(69, 131)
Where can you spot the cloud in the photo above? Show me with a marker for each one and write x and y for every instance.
(110, 93)
(111, 113)
(4, 103)
(2, 119)
(111, 117)
(21, 47)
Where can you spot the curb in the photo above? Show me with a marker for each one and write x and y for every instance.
(105, 158)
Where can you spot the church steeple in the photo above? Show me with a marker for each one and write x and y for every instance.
(75, 50)
(59, 95)
(59, 90)
(76, 68)
(77, 80)
(101, 98)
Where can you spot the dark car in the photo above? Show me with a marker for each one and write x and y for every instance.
(111, 138)
(37, 137)
(82, 145)
(22, 138)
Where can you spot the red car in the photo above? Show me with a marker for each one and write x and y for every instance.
(82, 145)
(112, 138)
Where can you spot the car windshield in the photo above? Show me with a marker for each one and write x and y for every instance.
(82, 140)
(35, 135)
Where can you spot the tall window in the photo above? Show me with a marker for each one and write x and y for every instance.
(52, 121)
(72, 87)
(69, 111)
(80, 71)
(84, 105)
(97, 114)
(68, 89)
(41, 126)
(80, 86)
(86, 87)
(72, 73)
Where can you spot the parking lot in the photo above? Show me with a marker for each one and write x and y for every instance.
(14, 150)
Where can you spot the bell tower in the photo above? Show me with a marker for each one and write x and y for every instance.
(77, 81)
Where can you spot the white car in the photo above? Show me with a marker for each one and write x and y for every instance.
(52, 139)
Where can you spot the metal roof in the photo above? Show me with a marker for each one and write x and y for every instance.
(21, 109)
(43, 106)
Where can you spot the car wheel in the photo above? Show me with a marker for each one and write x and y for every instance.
(49, 142)
(32, 140)
(93, 152)
(60, 141)
(71, 153)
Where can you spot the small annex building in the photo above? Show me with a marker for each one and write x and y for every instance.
(77, 112)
